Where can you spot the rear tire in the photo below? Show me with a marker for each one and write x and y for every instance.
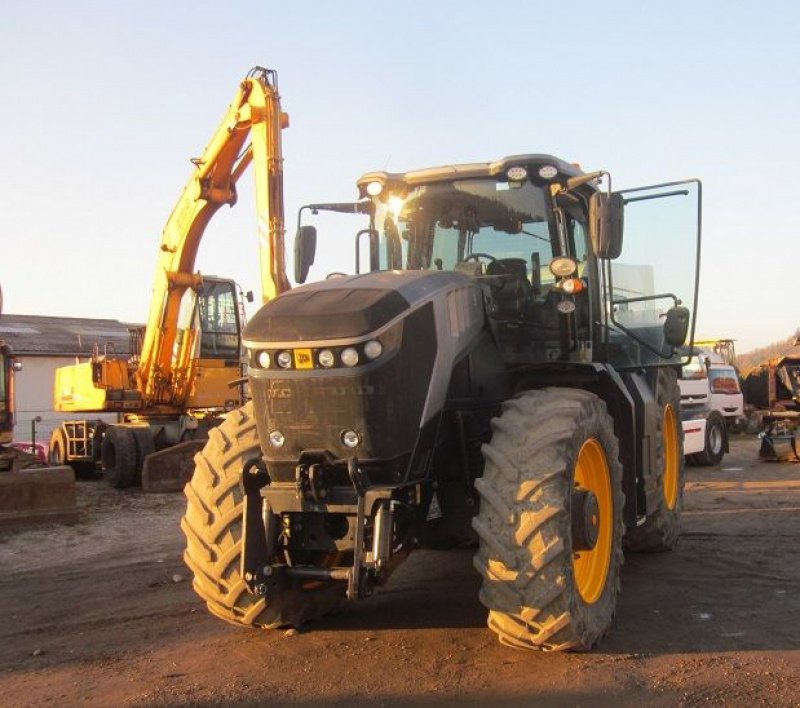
(664, 486)
(213, 528)
(119, 457)
(714, 449)
(541, 591)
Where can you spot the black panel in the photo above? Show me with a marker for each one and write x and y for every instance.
(324, 313)
(384, 405)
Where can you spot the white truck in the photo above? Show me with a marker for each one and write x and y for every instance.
(711, 405)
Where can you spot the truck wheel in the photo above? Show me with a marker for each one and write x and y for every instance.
(213, 528)
(664, 487)
(118, 454)
(714, 449)
(550, 521)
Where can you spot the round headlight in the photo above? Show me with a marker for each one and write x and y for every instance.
(373, 349)
(350, 438)
(374, 189)
(284, 359)
(349, 356)
(276, 438)
(263, 359)
(563, 266)
(326, 358)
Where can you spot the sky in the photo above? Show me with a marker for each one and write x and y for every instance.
(102, 104)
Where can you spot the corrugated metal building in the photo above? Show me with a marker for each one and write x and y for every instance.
(44, 343)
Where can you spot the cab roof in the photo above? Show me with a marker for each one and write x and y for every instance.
(533, 162)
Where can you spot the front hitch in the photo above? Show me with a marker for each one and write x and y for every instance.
(258, 529)
(261, 526)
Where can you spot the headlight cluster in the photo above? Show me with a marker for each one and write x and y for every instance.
(317, 358)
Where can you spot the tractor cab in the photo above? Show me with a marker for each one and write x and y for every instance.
(544, 242)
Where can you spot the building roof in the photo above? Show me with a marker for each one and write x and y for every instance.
(33, 335)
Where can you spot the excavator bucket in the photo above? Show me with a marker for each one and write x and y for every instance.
(170, 469)
(35, 495)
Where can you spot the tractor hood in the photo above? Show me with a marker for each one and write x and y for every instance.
(345, 307)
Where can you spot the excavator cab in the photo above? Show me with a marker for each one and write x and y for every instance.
(207, 349)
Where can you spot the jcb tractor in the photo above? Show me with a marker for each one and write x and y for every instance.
(499, 369)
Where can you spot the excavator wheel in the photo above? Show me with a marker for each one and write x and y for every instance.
(664, 487)
(57, 455)
(58, 448)
(213, 528)
(119, 456)
(550, 521)
(145, 446)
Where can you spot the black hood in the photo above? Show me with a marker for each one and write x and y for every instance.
(344, 307)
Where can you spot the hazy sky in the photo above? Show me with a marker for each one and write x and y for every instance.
(103, 103)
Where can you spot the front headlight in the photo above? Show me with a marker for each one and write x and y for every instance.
(284, 359)
(263, 359)
(373, 349)
(349, 356)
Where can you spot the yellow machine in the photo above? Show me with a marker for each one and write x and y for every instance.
(176, 382)
(30, 493)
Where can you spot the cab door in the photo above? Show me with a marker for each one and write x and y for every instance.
(658, 269)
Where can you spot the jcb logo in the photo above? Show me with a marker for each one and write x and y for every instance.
(303, 359)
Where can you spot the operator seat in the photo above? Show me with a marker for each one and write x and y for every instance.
(513, 294)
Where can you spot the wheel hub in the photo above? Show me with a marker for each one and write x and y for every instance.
(585, 520)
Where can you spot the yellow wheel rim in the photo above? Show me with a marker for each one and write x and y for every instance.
(672, 451)
(590, 568)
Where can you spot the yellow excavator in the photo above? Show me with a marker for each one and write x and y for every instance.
(176, 383)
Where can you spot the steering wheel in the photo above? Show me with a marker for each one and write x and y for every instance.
(477, 256)
(494, 280)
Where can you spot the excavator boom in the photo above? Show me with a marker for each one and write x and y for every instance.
(165, 374)
(184, 363)
(255, 113)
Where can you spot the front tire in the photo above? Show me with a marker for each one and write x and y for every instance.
(213, 528)
(541, 590)
(715, 442)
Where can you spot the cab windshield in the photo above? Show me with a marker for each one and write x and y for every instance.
(462, 224)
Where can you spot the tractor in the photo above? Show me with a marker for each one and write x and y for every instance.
(500, 369)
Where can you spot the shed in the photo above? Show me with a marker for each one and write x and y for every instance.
(42, 344)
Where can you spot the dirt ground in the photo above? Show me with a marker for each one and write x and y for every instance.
(103, 613)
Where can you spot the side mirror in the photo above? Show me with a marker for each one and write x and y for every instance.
(605, 224)
(305, 248)
(676, 326)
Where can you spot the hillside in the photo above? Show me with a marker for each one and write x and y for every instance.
(748, 360)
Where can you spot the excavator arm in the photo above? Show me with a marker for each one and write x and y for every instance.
(255, 114)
